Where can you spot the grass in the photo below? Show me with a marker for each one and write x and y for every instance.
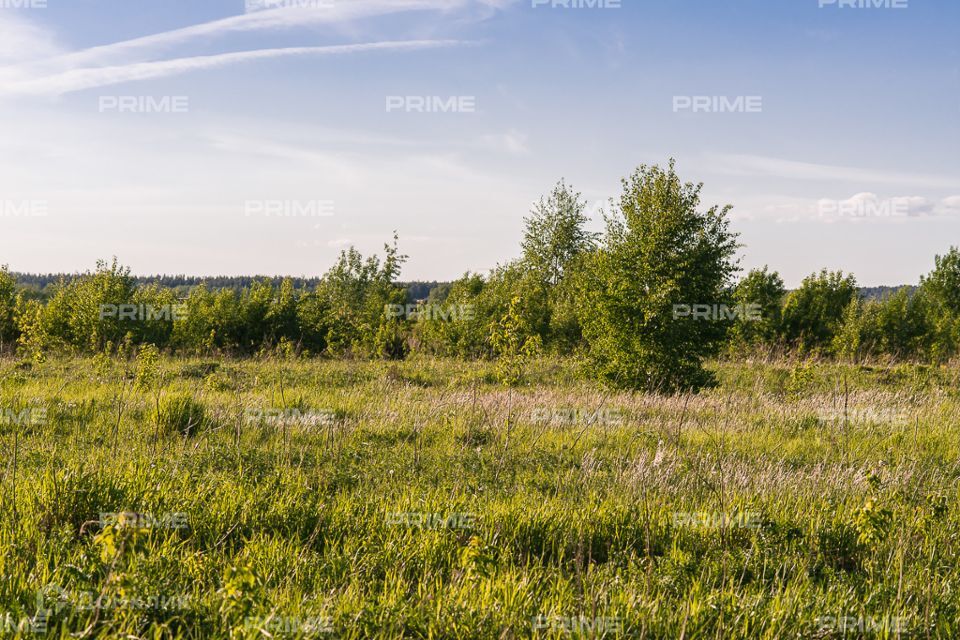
(266, 498)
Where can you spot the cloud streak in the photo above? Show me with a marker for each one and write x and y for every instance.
(750, 165)
(145, 47)
(42, 68)
(80, 79)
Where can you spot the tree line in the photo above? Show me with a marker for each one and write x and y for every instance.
(644, 303)
(42, 285)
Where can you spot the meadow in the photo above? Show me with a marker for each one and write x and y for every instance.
(290, 498)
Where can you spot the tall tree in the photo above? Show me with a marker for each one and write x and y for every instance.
(659, 251)
(555, 235)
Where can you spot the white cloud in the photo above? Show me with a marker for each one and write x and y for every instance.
(40, 66)
(750, 165)
(22, 40)
(861, 206)
(270, 20)
(78, 79)
(949, 206)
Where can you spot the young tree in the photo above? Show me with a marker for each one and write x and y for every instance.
(659, 251)
(467, 335)
(8, 309)
(83, 312)
(356, 293)
(555, 235)
(895, 326)
(940, 291)
(813, 314)
(554, 245)
(763, 289)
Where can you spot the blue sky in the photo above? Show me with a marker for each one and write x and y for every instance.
(852, 163)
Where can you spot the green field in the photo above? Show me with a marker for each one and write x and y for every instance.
(422, 499)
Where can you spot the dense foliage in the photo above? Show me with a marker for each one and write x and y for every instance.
(612, 298)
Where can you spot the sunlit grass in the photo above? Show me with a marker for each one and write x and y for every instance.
(421, 499)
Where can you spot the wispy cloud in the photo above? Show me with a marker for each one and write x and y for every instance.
(21, 40)
(146, 47)
(751, 165)
(41, 67)
(79, 79)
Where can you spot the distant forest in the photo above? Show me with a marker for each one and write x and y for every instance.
(38, 284)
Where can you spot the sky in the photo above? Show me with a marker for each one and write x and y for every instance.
(241, 137)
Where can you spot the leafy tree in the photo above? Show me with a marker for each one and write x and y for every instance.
(554, 244)
(896, 326)
(555, 236)
(83, 314)
(764, 289)
(9, 331)
(466, 335)
(210, 321)
(34, 338)
(356, 293)
(659, 250)
(514, 343)
(940, 291)
(813, 314)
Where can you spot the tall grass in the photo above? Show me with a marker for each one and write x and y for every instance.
(257, 498)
